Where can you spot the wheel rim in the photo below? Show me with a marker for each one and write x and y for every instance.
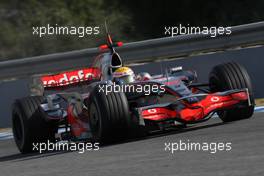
(94, 119)
(215, 86)
(17, 128)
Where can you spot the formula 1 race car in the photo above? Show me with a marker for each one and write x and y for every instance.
(75, 101)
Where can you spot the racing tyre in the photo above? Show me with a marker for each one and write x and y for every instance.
(232, 76)
(29, 125)
(109, 116)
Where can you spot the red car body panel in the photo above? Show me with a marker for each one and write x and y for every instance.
(78, 125)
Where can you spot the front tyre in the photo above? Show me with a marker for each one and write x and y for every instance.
(230, 76)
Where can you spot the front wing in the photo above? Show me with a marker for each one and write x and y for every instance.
(185, 112)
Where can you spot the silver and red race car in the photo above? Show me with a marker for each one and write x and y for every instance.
(73, 101)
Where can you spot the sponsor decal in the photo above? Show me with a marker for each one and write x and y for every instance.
(152, 111)
(70, 77)
(215, 99)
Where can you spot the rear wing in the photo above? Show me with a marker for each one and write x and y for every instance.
(70, 77)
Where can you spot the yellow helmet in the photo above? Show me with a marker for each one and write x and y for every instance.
(124, 75)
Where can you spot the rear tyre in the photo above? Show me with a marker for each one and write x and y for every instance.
(232, 76)
(29, 125)
(109, 116)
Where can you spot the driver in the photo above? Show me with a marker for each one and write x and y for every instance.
(123, 75)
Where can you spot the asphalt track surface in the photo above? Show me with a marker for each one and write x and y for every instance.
(148, 156)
